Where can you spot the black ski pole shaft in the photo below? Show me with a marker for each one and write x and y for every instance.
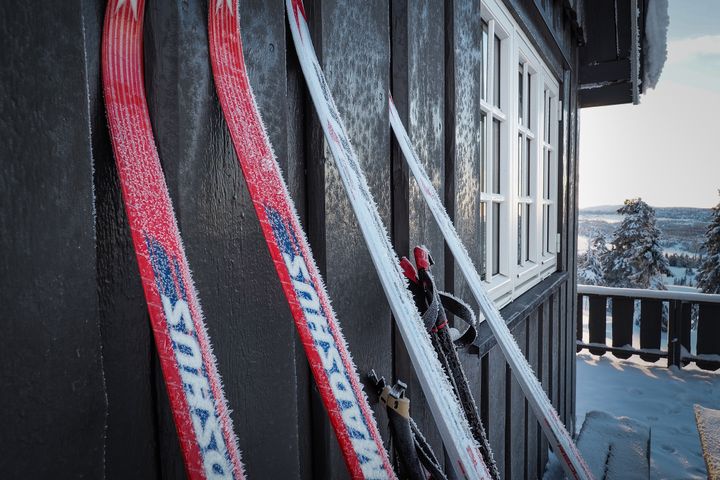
(464, 393)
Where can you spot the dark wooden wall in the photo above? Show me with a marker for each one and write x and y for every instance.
(82, 389)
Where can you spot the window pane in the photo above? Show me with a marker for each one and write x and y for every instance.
(481, 243)
(546, 117)
(527, 232)
(546, 174)
(527, 166)
(547, 228)
(528, 102)
(544, 229)
(521, 235)
(496, 83)
(484, 60)
(496, 239)
(496, 156)
(520, 166)
(520, 94)
(483, 150)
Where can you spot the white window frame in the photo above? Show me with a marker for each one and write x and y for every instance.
(514, 279)
(499, 284)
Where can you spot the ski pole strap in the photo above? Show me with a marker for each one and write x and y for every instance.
(462, 311)
(431, 316)
(434, 305)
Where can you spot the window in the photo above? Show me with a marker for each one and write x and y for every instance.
(494, 132)
(519, 130)
(525, 170)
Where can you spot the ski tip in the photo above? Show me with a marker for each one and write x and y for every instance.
(298, 10)
(226, 3)
(135, 6)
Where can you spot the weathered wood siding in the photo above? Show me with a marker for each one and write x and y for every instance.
(81, 380)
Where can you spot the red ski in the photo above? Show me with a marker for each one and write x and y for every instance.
(198, 404)
(330, 362)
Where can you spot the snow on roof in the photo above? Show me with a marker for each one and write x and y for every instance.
(657, 21)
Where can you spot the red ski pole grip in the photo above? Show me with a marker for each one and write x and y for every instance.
(422, 258)
(408, 270)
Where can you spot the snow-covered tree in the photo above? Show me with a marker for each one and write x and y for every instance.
(590, 264)
(636, 258)
(708, 278)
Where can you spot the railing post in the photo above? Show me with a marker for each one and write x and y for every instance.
(579, 321)
(597, 323)
(674, 347)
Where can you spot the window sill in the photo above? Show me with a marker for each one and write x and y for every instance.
(519, 309)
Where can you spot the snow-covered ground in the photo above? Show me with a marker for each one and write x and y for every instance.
(659, 397)
(662, 398)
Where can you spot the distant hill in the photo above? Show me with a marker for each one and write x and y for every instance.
(601, 209)
(683, 228)
(678, 213)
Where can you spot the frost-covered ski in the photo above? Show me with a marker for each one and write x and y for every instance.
(451, 421)
(330, 362)
(198, 404)
(553, 427)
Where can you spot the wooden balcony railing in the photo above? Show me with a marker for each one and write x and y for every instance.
(682, 327)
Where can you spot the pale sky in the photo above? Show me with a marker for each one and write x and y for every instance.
(667, 149)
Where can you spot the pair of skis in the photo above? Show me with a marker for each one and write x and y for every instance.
(200, 412)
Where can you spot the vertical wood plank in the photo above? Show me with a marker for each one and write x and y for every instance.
(686, 326)
(299, 130)
(579, 319)
(562, 345)
(320, 435)
(597, 322)
(355, 41)
(570, 129)
(226, 250)
(425, 120)
(545, 367)
(517, 414)
(467, 145)
(571, 299)
(497, 375)
(418, 94)
(674, 347)
(623, 310)
(650, 327)
(53, 394)
(708, 334)
(533, 432)
(554, 319)
(130, 446)
(485, 393)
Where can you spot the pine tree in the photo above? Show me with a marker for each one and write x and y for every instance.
(708, 278)
(636, 258)
(590, 267)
